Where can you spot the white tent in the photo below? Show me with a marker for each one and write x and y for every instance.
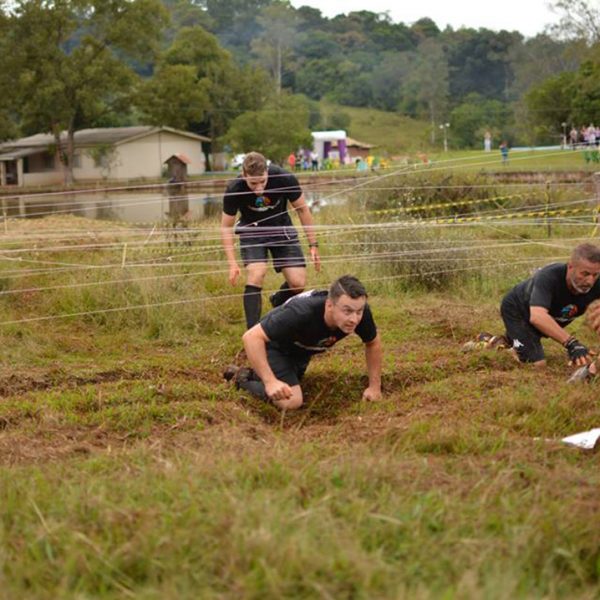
(323, 140)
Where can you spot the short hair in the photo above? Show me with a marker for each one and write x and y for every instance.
(254, 164)
(586, 251)
(349, 285)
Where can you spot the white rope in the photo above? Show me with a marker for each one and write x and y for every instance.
(230, 296)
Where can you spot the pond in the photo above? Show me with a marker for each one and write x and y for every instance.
(137, 207)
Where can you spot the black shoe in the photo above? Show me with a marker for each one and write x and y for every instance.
(275, 299)
(238, 374)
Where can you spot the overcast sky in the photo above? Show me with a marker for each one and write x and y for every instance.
(527, 16)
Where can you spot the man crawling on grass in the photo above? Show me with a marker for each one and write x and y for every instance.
(545, 304)
(280, 347)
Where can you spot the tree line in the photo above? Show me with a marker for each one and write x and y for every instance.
(250, 73)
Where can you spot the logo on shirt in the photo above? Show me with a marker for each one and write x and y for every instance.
(263, 203)
(327, 342)
(320, 346)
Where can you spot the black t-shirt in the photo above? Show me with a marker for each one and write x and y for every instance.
(268, 209)
(298, 326)
(548, 289)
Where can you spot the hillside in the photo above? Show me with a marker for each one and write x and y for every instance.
(392, 132)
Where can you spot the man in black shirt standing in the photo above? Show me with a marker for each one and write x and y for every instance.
(261, 194)
(545, 304)
(280, 347)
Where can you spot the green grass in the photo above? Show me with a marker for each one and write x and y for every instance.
(391, 133)
(129, 468)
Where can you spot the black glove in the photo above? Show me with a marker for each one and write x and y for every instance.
(575, 349)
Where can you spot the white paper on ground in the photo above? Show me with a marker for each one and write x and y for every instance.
(585, 439)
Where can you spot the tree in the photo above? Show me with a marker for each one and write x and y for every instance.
(274, 45)
(8, 126)
(476, 115)
(586, 94)
(388, 78)
(68, 61)
(174, 97)
(480, 61)
(317, 77)
(185, 13)
(550, 102)
(538, 59)
(229, 89)
(429, 81)
(580, 19)
(285, 118)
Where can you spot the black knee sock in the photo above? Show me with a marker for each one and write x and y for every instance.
(256, 388)
(252, 305)
(282, 295)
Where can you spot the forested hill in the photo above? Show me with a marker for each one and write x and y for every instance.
(233, 69)
(477, 79)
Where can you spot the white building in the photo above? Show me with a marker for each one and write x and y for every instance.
(115, 153)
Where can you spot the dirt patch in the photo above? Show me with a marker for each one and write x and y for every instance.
(16, 383)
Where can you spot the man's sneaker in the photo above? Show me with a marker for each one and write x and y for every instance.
(498, 342)
(275, 299)
(581, 374)
(238, 374)
(486, 340)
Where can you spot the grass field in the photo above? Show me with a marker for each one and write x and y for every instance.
(129, 468)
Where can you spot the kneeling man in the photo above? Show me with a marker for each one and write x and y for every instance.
(280, 347)
(545, 304)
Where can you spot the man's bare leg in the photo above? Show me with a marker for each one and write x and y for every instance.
(295, 281)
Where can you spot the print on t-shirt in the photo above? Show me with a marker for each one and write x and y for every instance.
(568, 313)
(263, 203)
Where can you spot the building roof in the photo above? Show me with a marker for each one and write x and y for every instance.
(356, 144)
(181, 157)
(18, 153)
(101, 135)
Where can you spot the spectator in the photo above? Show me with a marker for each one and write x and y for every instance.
(504, 152)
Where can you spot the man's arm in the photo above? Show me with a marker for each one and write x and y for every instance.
(541, 319)
(308, 225)
(227, 223)
(374, 358)
(255, 343)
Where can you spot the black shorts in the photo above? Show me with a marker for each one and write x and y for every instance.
(525, 339)
(285, 250)
(287, 367)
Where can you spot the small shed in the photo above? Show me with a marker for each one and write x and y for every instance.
(358, 149)
(177, 167)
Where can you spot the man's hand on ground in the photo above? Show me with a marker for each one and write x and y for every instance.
(278, 390)
(316, 258)
(372, 394)
(579, 355)
(234, 273)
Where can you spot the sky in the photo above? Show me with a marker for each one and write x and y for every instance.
(527, 16)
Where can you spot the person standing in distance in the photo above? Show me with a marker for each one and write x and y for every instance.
(260, 194)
